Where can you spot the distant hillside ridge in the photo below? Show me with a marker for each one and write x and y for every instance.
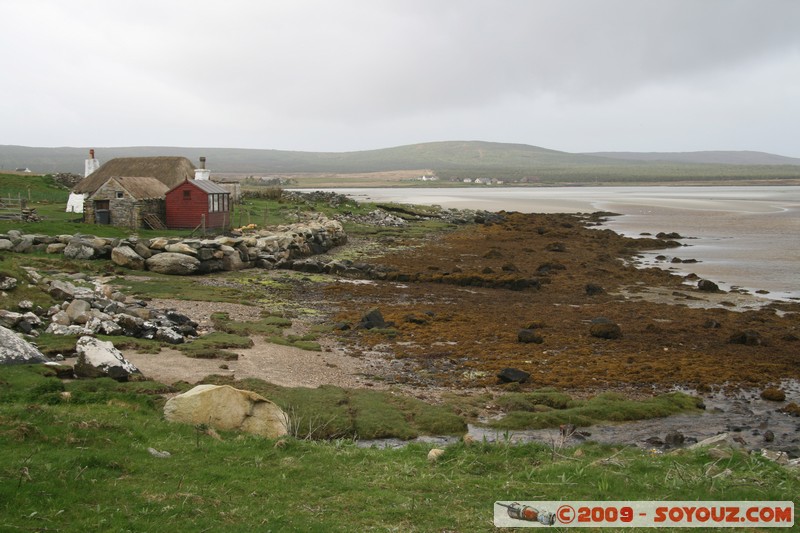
(743, 157)
(451, 160)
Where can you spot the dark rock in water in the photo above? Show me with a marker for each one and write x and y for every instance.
(747, 337)
(769, 436)
(513, 375)
(373, 319)
(674, 438)
(671, 235)
(654, 441)
(661, 258)
(707, 286)
(606, 331)
(529, 336)
(593, 289)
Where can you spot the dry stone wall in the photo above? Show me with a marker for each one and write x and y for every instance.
(273, 248)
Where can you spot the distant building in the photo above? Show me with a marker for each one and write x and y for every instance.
(25, 170)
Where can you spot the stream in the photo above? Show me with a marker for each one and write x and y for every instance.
(742, 414)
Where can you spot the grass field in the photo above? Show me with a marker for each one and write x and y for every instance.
(81, 463)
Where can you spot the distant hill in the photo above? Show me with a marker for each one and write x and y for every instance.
(450, 160)
(709, 157)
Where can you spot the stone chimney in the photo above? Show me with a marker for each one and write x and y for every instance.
(202, 173)
(91, 164)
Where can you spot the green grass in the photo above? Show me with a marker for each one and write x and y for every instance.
(83, 465)
(548, 408)
(214, 344)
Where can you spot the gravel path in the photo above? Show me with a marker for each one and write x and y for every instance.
(282, 365)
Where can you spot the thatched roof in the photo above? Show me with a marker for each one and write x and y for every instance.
(170, 171)
(141, 188)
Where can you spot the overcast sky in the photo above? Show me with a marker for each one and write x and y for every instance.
(340, 75)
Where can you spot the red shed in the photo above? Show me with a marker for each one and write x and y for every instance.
(194, 202)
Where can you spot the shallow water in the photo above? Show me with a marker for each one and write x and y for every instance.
(745, 236)
(743, 414)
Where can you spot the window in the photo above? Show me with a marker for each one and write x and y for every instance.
(187, 195)
(120, 195)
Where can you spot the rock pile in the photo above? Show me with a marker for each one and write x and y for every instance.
(96, 310)
(263, 249)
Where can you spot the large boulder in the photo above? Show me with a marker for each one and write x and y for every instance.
(79, 311)
(62, 290)
(98, 358)
(125, 256)
(605, 330)
(226, 408)
(174, 264)
(513, 375)
(80, 249)
(7, 282)
(15, 350)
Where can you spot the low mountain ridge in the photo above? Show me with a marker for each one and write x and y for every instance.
(451, 160)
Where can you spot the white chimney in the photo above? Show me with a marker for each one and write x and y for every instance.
(91, 164)
(202, 173)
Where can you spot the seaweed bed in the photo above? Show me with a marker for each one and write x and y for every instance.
(456, 305)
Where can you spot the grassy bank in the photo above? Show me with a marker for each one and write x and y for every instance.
(84, 465)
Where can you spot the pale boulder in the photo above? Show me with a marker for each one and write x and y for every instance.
(98, 358)
(174, 264)
(226, 408)
(125, 256)
(15, 350)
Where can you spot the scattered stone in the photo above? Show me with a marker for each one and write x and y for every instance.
(156, 453)
(78, 311)
(62, 290)
(98, 358)
(556, 247)
(747, 337)
(606, 331)
(373, 319)
(674, 438)
(773, 394)
(782, 458)
(434, 454)
(7, 283)
(513, 375)
(769, 436)
(529, 336)
(226, 408)
(711, 324)
(791, 409)
(15, 350)
(593, 289)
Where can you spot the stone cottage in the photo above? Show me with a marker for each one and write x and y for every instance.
(126, 201)
(170, 171)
